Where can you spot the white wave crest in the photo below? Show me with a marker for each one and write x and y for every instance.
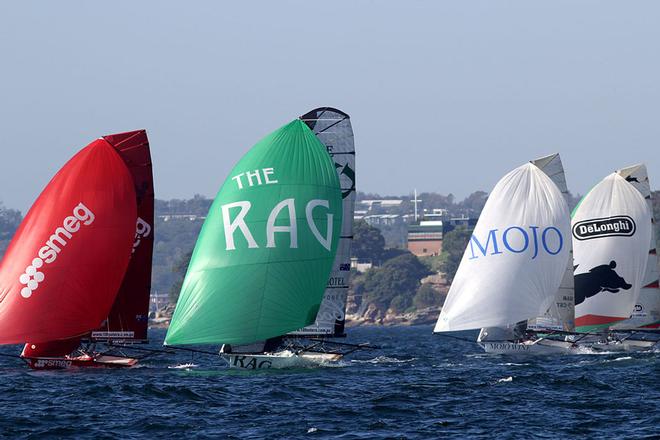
(382, 360)
(187, 366)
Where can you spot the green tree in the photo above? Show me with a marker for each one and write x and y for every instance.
(174, 239)
(10, 219)
(474, 203)
(179, 269)
(427, 296)
(368, 242)
(453, 245)
(399, 276)
(400, 303)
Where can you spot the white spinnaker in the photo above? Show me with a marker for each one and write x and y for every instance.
(647, 309)
(561, 314)
(524, 230)
(611, 257)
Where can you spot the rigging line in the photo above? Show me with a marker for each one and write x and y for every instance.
(193, 350)
(365, 345)
(148, 350)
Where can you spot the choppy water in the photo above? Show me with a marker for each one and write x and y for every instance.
(417, 386)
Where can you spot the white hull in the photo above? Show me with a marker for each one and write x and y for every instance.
(542, 347)
(282, 359)
(547, 346)
(624, 345)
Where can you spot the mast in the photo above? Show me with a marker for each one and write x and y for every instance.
(415, 201)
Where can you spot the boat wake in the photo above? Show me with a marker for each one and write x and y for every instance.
(186, 366)
(622, 358)
(382, 360)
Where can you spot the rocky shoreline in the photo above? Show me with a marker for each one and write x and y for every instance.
(161, 319)
(419, 317)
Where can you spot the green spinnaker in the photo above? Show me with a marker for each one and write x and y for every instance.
(263, 256)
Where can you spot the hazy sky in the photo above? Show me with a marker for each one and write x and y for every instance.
(444, 96)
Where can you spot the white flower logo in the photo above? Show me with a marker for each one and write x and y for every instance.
(31, 278)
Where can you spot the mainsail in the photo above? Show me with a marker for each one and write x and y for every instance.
(561, 314)
(516, 257)
(61, 272)
(263, 256)
(647, 310)
(611, 233)
(128, 319)
(333, 128)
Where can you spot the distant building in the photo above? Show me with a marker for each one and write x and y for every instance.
(190, 217)
(383, 219)
(359, 214)
(360, 266)
(435, 214)
(452, 223)
(385, 204)
(158, 301)
(425, 238)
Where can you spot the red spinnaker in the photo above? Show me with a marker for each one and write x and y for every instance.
(128, 318)
(61, 272)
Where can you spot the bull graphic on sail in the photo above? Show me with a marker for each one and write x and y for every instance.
(599, 279)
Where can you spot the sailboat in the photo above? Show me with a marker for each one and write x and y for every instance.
(545, 331)
(127, 321)
(514, 264)
(643, 314)
(62, 270)
(611, 234)
(261, 267)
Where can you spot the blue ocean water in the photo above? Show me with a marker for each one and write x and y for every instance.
(416, 386)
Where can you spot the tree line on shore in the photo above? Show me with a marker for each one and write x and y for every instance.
(393, 283)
